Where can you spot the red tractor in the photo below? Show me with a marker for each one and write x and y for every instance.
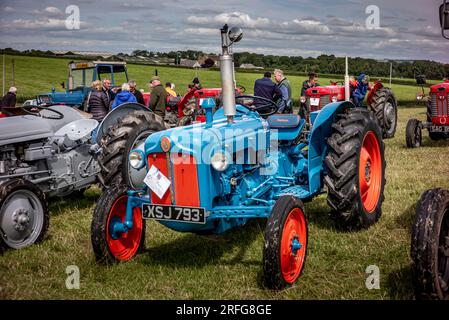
(381, 101)
(430, 235)
(437, 117)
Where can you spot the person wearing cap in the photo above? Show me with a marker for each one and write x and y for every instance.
(9, 99)
(196, 84)
(158, 98)
(358, 94)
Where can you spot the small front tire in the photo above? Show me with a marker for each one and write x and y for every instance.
(285, 243)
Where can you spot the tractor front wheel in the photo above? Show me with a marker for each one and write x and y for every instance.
(430, 246)
(413, 133)
(110, 247)
(356, 170)
(285, 243)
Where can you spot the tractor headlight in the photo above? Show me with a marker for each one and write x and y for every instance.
(303, 99)
(137, 159)
(334, 99)
(220, 161)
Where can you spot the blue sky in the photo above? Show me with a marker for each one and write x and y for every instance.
(408, 29)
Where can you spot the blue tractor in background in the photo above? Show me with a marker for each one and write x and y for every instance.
(246, 162)
(81, 75)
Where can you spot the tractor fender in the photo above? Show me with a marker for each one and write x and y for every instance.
(372, 91)
(321, 131)
(119, 112)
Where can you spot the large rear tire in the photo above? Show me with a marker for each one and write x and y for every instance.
(111, 209)
(285, 243)
(430, 246)
(125, 135)
(356, 170)
(24, 215)
(385, 108)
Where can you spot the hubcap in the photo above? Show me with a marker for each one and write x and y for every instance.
(123, 246)
(293, 245)
(370, 172)
(21, 219)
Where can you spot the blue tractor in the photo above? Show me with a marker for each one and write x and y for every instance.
(81, 75)
(247, 162)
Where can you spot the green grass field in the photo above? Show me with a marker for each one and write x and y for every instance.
(34, 75)
(186, 266)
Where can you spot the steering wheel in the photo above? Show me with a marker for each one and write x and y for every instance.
(265, 107)
(37, 113)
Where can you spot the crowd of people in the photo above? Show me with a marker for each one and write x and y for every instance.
(102, 98)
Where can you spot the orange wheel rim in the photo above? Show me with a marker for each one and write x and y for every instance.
(293, 245)
(126, 246)
(370, 172)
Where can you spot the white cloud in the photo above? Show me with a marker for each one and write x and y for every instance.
(53, 11)
(9, 9)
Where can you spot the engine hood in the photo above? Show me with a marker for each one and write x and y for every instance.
(248, 131)
(27, 128)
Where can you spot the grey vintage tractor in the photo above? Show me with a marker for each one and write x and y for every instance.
(46, 153)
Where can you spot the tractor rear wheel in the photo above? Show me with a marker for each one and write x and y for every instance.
(413, 133)
(385, 108)
(125, 135)
(24, 215)
(356, 170)
(108, 247)
(435, 136)
(430, 246)
(285, 243)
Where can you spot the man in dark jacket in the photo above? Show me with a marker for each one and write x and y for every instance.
(266, 88)
(136, 92)
(9, 99)
(158, 97)
(311, 83)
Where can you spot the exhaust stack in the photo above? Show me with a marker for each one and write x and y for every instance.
(228, 38)
(347, 92)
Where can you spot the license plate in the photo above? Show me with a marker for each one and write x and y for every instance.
(439, 129)
(315, 102)
(174, 213)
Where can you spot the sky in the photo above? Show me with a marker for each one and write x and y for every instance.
(408, 30)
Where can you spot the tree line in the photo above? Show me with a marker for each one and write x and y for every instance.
(323, 64)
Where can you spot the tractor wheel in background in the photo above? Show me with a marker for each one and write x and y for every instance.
(356, 170)
(24, 216)
(125, 135)
(430, 246)
(385, 108)
(413, 133)
(285, 243)
(111, 209)
(434, 135)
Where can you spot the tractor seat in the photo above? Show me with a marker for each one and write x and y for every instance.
(284, 121)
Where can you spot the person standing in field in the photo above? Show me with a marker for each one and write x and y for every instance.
(312, 82)
(158, 97)
(169, 89)
(133, 89)
(9, 99)
(123, 97)
(285, 101)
